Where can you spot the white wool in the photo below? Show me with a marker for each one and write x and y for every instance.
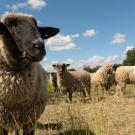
(10, 14)
(124, 75)
(104, 76)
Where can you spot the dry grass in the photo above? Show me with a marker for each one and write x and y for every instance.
(109, 115)
(112, 116)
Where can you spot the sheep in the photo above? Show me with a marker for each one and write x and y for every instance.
(72, 81)
(53, 81)
(103, 77)
(124, 75)
(23, 81)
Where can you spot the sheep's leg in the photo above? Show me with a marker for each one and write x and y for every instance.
(58, 90)
(97, 89)
(105, 89)
(17, 132)
(55, 90)
(84, 93)
(120, 88)
(27, 131)
(89, 91)
(70, 96)
(3, 131)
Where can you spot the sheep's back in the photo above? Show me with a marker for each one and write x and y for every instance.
(103, 76)
(125, 74)
(79, 79)
(80, 74)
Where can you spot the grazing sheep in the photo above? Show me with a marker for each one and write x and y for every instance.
(103, 77)
(124, 75)
(23, 82)
(53, 81)
(72, 81)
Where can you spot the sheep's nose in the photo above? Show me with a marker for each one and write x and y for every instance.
(38, 46)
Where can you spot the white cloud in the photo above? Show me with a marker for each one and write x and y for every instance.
(16, 6)
(99, 60)
(34, 4)
(60, 42)
(89, 33)
(96, 60)
(70, 61)
(118, 38)
(91, 62)
(77, 35)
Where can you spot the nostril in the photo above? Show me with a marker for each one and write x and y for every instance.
(36, 46)
(37, 49)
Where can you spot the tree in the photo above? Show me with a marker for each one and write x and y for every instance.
(71, 69)
(96, 68)
(130, 58)
(92, 70)
(88, 69)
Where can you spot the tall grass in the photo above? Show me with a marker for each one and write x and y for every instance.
(99, 115)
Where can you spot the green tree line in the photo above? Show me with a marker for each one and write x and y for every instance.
(128, 61)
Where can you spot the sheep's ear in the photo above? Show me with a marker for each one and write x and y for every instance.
(67, 65)
(3, 28)
(115, 66)
(47, 32)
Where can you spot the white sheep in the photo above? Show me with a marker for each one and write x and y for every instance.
(124, 75)
(72, 81)
(23, 82)
(103, 77)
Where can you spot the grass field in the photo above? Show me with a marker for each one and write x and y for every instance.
(101, 115)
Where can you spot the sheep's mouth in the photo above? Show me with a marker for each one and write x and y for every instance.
(32, 58)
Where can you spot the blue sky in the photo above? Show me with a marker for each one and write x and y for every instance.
(92, 32)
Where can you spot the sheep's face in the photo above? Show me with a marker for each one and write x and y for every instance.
(60, 68)
(25, 32)
(28, 37)
(111, 69)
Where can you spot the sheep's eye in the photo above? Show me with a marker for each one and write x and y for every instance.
(11, 25)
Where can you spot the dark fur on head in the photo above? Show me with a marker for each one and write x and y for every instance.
(22, 40)
(61, 67)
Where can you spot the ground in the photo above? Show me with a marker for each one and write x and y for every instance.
(99, 115)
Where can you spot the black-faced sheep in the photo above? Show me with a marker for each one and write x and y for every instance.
(72, 81)
(23, 82)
